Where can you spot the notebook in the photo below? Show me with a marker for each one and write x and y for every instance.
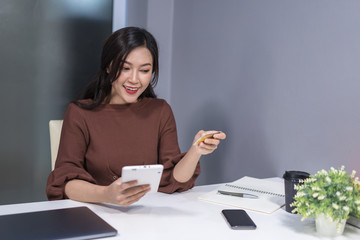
(68, 223)
(270, 194)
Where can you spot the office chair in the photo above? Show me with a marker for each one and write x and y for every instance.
(55, 132)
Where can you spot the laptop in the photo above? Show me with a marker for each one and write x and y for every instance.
(68, 223)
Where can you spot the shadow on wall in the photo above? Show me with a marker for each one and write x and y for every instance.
(56, 51)
(86, 47)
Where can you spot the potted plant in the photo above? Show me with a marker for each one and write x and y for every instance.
(329, 197)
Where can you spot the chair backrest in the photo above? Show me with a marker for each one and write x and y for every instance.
(55, 132)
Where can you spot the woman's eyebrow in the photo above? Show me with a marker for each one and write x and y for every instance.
(145, 64)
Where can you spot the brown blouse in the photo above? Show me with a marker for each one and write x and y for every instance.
(96, 144)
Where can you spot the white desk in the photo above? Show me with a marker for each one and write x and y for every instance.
(182, 216)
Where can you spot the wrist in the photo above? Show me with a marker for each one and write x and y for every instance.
(103, 194)
(195, 152)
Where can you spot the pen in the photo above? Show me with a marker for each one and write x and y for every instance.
(236, 194)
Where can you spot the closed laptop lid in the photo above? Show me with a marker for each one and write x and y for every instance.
(68, 223)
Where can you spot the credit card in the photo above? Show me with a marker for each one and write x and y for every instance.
(202, 138)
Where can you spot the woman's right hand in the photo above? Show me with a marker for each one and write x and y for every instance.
(125, 193)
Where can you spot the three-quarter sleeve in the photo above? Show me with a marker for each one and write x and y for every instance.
(170, 155)
(71, 154)
(96, 144)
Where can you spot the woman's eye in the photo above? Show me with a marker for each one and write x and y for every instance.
(125, 68)
(145, 71)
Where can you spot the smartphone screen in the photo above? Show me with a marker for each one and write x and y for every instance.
(238, 219)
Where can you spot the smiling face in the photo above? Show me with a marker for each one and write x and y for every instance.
(134, 78)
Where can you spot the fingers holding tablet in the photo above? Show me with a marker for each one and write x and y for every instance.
(143, 174)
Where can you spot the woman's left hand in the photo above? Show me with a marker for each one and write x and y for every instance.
(203, 144)
(209, 144)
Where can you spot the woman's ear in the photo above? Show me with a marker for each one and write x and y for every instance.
(109, 68)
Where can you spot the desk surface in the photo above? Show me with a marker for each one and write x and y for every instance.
(183, 216)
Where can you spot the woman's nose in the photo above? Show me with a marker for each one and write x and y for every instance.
(133, 77)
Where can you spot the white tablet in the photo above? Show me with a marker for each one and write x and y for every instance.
(144, 174)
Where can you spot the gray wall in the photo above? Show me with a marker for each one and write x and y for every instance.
(280, 77)
(160, 24)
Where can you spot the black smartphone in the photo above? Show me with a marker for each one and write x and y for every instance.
(238, 219)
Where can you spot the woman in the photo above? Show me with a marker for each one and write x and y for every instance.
(119, 122)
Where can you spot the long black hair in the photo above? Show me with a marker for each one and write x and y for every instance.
(116, 49)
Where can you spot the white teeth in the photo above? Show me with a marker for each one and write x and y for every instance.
(130, 89)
